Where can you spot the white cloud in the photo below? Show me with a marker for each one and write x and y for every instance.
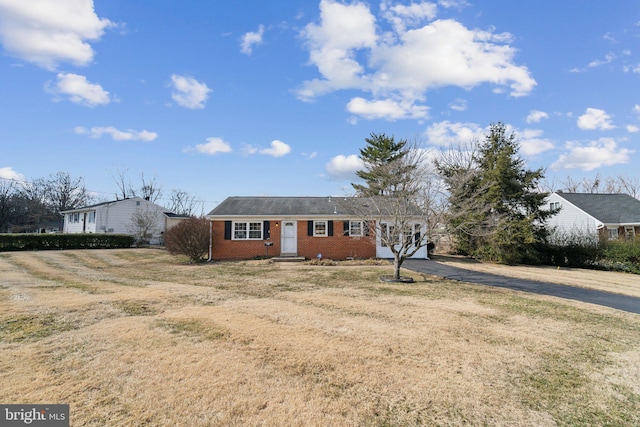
(79, 90)
(386, 109)
(47, 33)
(116, 134)
(7, 172)
(350, 52)
(636, 109)
(344, 167)
(608, 58)
(277, 149)
(332, 44)
(250, 39)
(449, 134)
(595, 118)
(603, 152)
(459, 104)
(633, 128)
(535, 116)
(249, 150)
(188, 92)
(531, 142)
(214, 145)
(402, 16)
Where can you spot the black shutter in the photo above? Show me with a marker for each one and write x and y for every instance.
(227, 230)
(365, 226)
(330, 228)
(309, 228)
(266, 230)
(346, 228)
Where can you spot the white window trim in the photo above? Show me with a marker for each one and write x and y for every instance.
(326, 228)
(247, 230)
(361, 229)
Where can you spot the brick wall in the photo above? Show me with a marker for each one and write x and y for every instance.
(336, 247)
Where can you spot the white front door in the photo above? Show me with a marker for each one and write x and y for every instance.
(289, 238)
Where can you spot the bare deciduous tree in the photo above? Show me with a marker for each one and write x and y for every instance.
(183, 203)
(64, 192)
(400, 216)
(144, 225)
(8, 200)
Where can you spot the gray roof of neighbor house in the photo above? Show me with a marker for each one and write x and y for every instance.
(304, 206)
(91, 207)
(607, 208)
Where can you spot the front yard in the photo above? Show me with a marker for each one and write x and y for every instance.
(136, 337)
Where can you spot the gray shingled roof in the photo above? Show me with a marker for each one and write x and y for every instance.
(295, 206)
(606, 208)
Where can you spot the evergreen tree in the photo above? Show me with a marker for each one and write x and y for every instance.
(495, 206)
(385, 174)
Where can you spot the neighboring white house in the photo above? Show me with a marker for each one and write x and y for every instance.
(120, 217)
(609, 216)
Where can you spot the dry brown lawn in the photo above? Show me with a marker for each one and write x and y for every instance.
(138, 337)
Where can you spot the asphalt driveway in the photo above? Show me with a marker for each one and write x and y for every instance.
(607, 299)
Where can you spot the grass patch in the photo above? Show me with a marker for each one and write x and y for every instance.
(28, 327)
(197, 329)
(136, 308)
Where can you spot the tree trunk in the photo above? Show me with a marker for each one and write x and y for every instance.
(396, 267)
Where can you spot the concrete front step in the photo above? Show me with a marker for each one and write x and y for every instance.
(288, 259)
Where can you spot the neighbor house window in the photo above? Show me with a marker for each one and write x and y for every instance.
(91, 218)
(554, 205)
(612, 233)
(320, 228)
(247, 230)
(76, 217)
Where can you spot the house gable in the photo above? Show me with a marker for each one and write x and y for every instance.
(608, 215)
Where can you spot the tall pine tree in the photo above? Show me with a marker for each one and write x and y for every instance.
(385, 174)
(495, 206)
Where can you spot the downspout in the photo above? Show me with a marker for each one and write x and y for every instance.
(210, 241)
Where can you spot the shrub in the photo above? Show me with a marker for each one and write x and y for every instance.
(621, 255)
(189, 237)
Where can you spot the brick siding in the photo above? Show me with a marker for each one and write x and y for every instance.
(337, 247)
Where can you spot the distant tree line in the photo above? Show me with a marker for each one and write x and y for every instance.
(32, 206)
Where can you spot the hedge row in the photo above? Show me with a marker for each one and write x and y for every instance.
(27, 242)
(609, 255)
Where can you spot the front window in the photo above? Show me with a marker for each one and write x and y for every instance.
(76, 217)
(355, 228)
(554, 205)
(92, 217)
(247, 230)
(613, 233)
(320, 228)
(392, 235)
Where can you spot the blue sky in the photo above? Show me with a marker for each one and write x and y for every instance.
(222, 98)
